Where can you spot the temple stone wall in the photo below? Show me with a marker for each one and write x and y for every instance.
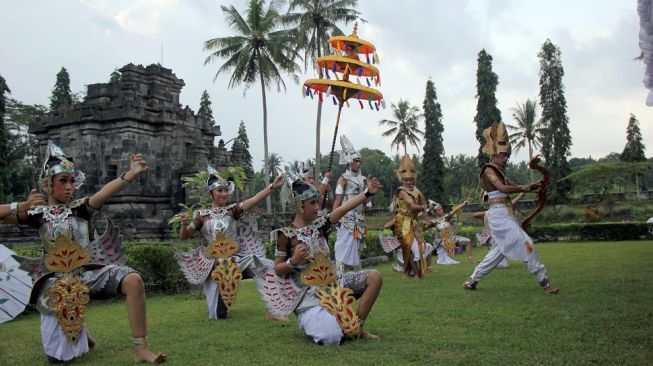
(140, 113)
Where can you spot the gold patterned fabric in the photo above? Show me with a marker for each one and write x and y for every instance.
(225, 271)
(407, 229)
(338, 301)
(69, 295)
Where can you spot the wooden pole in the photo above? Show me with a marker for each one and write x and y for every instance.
(333, 146)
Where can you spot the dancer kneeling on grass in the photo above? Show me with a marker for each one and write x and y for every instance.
(507, 234)
(228, 254)
(65, 281)
(308, 283)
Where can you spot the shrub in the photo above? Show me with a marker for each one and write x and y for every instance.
(590, 232)
(157, 265)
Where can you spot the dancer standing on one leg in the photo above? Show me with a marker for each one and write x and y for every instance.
(66, 282)
(510, 239)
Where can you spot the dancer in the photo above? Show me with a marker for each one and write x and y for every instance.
(351, 228)
(445, 239)
(510, 239)
(228, 255)
(307, 281)
(409, 203)
(66, 282)
(391, 244)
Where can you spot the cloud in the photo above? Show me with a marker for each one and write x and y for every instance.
(142, 16)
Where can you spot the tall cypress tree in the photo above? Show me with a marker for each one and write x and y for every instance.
(4, 140)
(556, 140)
(634, 149)
(487, 111)
(205, 110)
(433, 164)
(61, 95)
(244, 141)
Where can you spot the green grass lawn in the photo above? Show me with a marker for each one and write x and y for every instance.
(603, 315)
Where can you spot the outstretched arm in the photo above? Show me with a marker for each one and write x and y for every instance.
(253, 201)
(491, 177)
(138, 165)
(373, 186)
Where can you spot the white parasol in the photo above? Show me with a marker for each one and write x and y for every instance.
(15, 286)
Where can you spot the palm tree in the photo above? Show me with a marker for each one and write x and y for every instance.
(274, 162)
(404, 128)
(315, 22)
(528, 130)
(260, 50)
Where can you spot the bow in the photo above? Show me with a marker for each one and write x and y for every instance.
(541, 193)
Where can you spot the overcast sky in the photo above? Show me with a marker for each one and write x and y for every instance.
(416, 39)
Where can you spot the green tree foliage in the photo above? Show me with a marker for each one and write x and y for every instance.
(528, 130)
(260, 51)
(4, 140)
(61, 95)
(314, 22)
(487, 111)
(404, 128)
(115, 76)
(461, 175)
(205, 110)
(23, 152)
(634, 149)
(607, 176)
(274, 163)
(556, 142)
(244, 141)
(433, 161)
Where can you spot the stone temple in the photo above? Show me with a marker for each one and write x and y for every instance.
(139, 113)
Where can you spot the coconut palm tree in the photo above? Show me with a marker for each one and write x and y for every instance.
(274, 162)
(315, 21)
(528, 130)
(404, 128)
(260, 51)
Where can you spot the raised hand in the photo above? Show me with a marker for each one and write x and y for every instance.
(278, 182)
(183, 218)
(138, 164)
(35, 199)
(373, 184)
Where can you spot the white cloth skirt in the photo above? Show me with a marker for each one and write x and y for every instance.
(55, 343)
(347, 247)
(320, 325)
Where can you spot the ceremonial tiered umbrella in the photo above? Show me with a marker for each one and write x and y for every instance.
(342, 68)
(15, 286)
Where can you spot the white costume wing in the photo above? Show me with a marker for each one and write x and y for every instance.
(250, 240)
(109, 248)
(15, 286)
(194, 264)
(280, 295)
(389, 243)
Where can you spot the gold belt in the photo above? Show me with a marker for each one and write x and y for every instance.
(500, 201)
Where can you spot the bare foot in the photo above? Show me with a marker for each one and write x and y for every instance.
(269, 316)
(406, 277)
(551, 290)
(471, 260)
(143, 354)
(367, 335)
(92, 343)
(430, 269)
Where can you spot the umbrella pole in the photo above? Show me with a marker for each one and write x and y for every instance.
(333, 146)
